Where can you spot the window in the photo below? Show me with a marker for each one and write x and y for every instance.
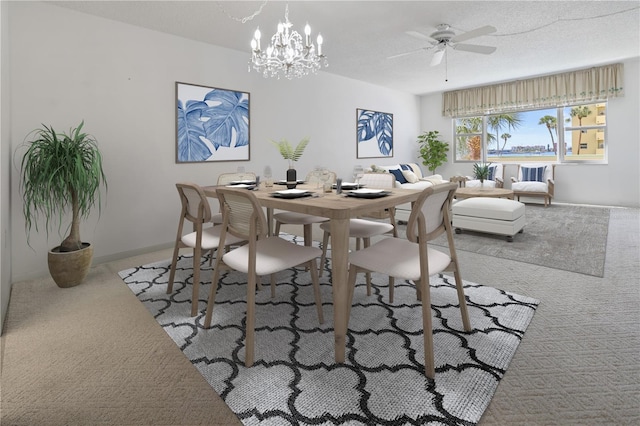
(574, 133)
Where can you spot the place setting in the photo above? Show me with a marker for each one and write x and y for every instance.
(249, 184)
(367, 193)
(292, 193)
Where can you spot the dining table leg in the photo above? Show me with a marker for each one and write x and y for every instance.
(339, 272)
(270, 221)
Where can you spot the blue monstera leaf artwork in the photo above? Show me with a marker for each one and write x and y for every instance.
(375, 134)
(211, 123)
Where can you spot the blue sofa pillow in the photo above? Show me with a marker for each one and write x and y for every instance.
(492, 172)
(533, 174)
(399, 176)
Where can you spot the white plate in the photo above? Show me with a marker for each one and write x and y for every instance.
(240, 182)
(291, 192)
(367, 191)
(241, 185)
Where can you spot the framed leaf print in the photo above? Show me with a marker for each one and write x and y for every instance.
(374, 134)
(212, 124)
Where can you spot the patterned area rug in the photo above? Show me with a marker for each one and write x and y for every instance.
(295, 379)
(567, 237)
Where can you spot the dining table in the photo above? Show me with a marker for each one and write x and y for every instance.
(338, 208)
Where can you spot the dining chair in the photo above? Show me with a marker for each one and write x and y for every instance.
(412, 259)
(306, 220)
(381, 181)
(195, 209)
(227, 178)
(363, 229)
(264, 254)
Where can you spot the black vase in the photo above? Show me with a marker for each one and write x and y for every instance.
(292, 178)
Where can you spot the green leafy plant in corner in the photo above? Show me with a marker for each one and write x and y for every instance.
(290, 153)
(481, 171)
(433, 151)
(59, 172)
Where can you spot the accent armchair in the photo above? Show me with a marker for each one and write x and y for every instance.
(535, 180)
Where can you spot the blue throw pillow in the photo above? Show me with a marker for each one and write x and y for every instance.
(492, 172)
(406, 167)
(399, 176)
(533, 174)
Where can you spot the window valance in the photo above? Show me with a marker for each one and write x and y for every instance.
(598, 83)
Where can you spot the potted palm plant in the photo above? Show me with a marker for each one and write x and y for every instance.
(62, 173)
(481, 172)
(292, 154)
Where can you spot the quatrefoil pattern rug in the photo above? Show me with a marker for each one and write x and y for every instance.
(295, 379)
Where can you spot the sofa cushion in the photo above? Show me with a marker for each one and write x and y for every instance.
(475, 183)
(410, 176)
(399, 176)
(529, 186)
(533, 174)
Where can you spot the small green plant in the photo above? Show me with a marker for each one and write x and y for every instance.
(61, 172)
(433, 151)
(481, 171)
(290, 153)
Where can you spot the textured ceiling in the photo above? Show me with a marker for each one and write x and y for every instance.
(532, 37)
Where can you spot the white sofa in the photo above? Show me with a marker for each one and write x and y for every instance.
(409, 178)
(496, 178)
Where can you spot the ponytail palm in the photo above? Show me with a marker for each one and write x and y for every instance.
(61, 172)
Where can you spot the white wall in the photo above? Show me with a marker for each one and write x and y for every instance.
(616, 183)
(5, 164)
(67, 66)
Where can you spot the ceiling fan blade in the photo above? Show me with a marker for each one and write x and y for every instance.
(437, 58)
(399, 55)
(475, 48)
(487, 29)
(417, 35)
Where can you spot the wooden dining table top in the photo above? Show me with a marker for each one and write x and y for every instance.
(330, 205)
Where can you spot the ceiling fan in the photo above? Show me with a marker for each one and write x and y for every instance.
(445, 37)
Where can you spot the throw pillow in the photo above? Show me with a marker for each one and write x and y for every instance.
(410, 176)
(492, 172)
(406, 167)
(533, 174)
(399, 176)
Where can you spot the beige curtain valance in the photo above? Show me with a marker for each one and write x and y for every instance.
(598, 83)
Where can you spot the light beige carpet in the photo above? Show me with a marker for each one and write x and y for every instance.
(93, 355)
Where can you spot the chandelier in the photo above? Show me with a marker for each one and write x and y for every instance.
(287, 55)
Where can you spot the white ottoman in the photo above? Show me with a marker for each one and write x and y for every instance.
(491, 215)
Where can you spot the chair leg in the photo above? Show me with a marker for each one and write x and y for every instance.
(351, 281)
(273, 285)
(392, 221)
(325, 243)
(306, 232)
(251, 320)
(366, 242)
(212, 294)
(197, 253)
(391, 288)
(427, 328)
(174, 262)
(461, 299)
(276, 232)
(316, 289)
